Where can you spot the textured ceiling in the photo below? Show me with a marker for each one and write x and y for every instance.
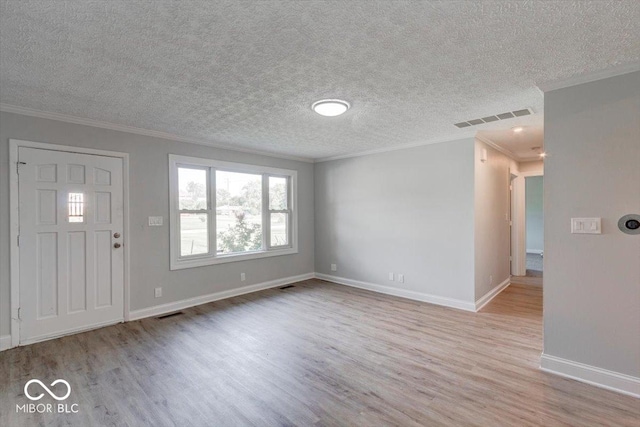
(244, 74)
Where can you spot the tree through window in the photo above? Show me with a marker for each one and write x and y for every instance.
(226, 211)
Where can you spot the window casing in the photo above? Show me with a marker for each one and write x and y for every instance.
(224, 212)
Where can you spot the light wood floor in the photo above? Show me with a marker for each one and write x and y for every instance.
(526, 280)
(316, 354)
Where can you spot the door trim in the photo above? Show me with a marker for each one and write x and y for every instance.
(14, 222)
(519, 251)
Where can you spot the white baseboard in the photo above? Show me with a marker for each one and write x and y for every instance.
(535, 251)
(5, 342)
(403, 293)
(621, 383)
(484, 300)
(191, 302)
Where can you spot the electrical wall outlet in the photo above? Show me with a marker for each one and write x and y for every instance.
(400, 278)
(243, 277)
(158, 292)
(334, 267)
(391, 276)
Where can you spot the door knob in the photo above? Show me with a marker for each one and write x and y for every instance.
(116, 245)
(116, 235)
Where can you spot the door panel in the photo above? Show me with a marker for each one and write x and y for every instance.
(47, 207)
(47, 275)
(76, 248)
(71, 275)
(103, 268)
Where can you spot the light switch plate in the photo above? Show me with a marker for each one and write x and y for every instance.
(586, 225)
(155, 221)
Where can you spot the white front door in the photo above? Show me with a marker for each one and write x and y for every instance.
(70, 242)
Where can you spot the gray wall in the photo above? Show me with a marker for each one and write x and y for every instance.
(149, 195)
(407, 211)
(492, 232)
(592, 282)
(534, 213)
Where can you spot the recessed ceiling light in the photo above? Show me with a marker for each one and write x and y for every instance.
(330, 107)
(543, 154)
(518, 129)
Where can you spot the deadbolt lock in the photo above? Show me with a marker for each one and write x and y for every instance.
(116, 235)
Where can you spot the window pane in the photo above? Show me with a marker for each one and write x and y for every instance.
(194, 238)
(279, 229)
(238, 212)
(76, 207)
(277, 193)
(192, 184)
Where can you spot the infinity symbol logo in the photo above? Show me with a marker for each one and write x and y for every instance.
(38, 397)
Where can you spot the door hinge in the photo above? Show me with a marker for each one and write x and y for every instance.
(19, 318)
(18, 166)
(18, 240)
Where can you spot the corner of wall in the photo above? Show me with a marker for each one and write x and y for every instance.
(596, 340)
(492, 236)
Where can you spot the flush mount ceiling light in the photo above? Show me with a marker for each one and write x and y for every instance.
(330, 107)
(518, 129)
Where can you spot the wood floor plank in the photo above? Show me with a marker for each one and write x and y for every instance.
(317, 354)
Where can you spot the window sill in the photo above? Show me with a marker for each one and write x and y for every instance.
(224, 259)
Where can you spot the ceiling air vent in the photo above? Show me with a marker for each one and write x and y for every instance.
(521, 113)
(505, 116)
(489, 119)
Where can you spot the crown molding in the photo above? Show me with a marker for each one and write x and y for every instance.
(172, 137)
(464, 135)
(513, 156)
(139, 131)
(589, 77)
(495, 146)
(529, 160)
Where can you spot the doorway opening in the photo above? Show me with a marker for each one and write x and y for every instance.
(527, 231)
(534, 229)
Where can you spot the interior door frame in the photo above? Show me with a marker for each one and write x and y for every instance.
(519, 224)
(14, 222)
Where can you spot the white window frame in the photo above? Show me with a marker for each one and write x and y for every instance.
(178, 262)
(268, 211)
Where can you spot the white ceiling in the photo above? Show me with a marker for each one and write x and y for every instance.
(244, 74)
(526, 145)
